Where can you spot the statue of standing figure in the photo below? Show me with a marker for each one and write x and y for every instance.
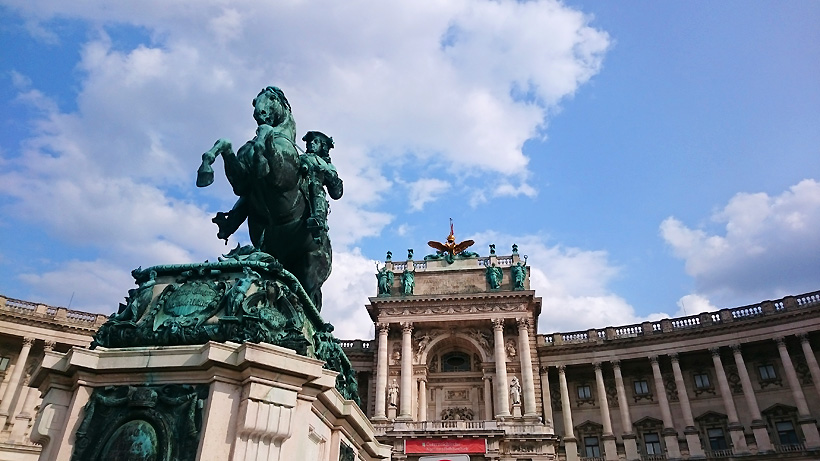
(408, 281)
(393, 394)
(494, 276)
(515, 391)
(384, 277)
(519, 274)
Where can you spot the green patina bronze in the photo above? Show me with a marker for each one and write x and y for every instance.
(269, 291)
(281, 193)
(384, 278)
(494, 276)
(245, 296)
(518, 274)
(408, 282)
(141, 423)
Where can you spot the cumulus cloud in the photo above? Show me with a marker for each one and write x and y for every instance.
(764, 246)
(457, 87)
(425, 191)
(345, 294)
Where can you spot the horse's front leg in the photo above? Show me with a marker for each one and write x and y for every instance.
(205, 173)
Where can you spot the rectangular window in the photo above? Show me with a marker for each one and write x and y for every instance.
(641, 388)
(767, 372)
(786, 433)
(591, 447)
(4, 363)
(584, 393)
(717, 439)
(702, 381)
(653, 443)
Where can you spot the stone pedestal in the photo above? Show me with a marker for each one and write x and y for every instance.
(225, 401)
(516, 410)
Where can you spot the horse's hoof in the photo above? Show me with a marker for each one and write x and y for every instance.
(205, 176)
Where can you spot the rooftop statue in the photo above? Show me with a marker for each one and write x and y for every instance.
(450, 249)
(280, 192)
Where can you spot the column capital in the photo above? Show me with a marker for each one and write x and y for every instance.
(653, 359)
(804, 337)
(383, 328)
(28, 341)
(49, 346)
(780, 340)
(615, 363)
(673, 357)
(407, 327)
(523, 322)
(498, 324)
(545, 369)
(736, 348)
(562, 369)
(422, 379)
(715, 351)
(596, 366)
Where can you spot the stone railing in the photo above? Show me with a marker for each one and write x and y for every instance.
(56, 314)
(455, 425)
(690, 322)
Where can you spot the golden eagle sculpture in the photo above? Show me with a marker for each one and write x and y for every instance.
(451, 248)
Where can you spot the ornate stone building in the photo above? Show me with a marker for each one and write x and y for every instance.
(458, 368)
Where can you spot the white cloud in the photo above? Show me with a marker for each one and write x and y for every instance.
(692, 304)
(411, 85)
(345, 294)
(424, 191)
(767, 247)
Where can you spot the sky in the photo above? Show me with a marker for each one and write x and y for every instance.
(651, 159)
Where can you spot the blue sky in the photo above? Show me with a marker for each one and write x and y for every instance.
(651, 158)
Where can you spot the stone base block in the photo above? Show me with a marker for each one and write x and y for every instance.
(198, 402)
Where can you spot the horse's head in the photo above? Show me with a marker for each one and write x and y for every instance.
(270, 107)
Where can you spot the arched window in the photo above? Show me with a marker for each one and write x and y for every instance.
(455, 361)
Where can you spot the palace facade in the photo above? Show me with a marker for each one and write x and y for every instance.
(458, 370)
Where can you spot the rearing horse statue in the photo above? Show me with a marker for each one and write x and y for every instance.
(265, 174)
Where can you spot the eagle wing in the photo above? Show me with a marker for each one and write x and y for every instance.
(463, 246)
(438, 246)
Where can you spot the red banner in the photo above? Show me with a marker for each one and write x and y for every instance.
(445, 446)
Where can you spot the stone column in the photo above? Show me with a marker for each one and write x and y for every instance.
(735, 428)
(405, 393)
(23, 418)
(546, 398)
(691, 432)
(502, 398)
(438, 397)
(488, 398)
(570, 444)
(670, 436)
(630, 439)
(14, 381)
(759, 429)
(381, 372)
(807, 423)
(811, 360)
(610, 448)
(528, 383)
(422, 399)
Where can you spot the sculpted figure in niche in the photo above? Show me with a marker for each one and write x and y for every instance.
(393, 393)
(509, 346)
(515, 391)
(396, 355)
